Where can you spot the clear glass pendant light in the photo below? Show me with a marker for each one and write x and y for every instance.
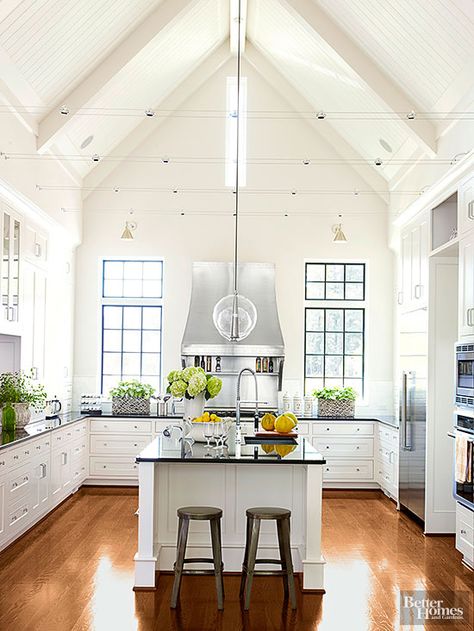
(235, 316)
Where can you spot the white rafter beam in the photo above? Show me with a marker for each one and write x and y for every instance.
(299, 103)
(56, 123)
(196, 78)
(234, 25)
(422, 131)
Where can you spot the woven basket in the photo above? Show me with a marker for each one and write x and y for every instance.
(336, 409)
(123, 406)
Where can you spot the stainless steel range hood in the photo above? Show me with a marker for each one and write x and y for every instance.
(212, 281)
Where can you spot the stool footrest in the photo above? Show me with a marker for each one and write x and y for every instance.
(198, 573)
(269, 573)
(277, 561)
(199, 560)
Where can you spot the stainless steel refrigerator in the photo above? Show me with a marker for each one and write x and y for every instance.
(412, 453)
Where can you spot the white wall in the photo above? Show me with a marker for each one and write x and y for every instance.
(204, 233)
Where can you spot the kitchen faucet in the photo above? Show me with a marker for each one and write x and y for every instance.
(238, 401)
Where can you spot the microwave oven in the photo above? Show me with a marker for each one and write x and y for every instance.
(465, 374)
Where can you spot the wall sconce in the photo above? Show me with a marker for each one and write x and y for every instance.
(130, 227)
(339, 236)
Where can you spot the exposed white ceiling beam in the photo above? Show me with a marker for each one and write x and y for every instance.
(7, 6)
(300, 104)
(15, 91)
(234, 25)
(422, 131)
(56, 123)
(196, 78)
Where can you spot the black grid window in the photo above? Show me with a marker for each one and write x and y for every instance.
(132, 293)
(132, 279)
(334, 348)
(335, 281)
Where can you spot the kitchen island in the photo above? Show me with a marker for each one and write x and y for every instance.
(172, 474)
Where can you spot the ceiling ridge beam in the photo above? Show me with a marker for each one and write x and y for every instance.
(266, 68)
(189, 85)
(55, 123)
(422, 131)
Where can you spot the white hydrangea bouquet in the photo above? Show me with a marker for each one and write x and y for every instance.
(196, 387)
(191, 382)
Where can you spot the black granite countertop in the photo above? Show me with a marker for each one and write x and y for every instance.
(8, 439)
(283, 451)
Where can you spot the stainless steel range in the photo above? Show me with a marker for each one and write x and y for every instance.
(263, 350)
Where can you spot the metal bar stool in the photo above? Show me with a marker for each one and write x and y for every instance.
(254, 518)
(199, 513)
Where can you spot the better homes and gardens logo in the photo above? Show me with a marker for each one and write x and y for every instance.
(437, 607)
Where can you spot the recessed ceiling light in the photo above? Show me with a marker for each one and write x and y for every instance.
(385, 145)
(378, 162)
(64, 110)
(321, 115)
(87, 141)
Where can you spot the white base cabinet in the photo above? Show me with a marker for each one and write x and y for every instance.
(465, 533)
(36, 475)
(386, 460)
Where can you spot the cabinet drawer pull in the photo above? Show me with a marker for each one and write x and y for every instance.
(104, 466)
(327, 468)
(27, 451)
(463, 532)
(418, 289)
(327, 446)
(400, 297)
(43, 470)
(14, 485)
(38, 447)
(15, 457)
(328, 429)
(135, 445)
(25, 479)
(357, 429)
(357, 447)
(64, 457)
(14, 518)
(2, 462)
(357, 469)
(470, 210)
(135, 426)
(25, 510)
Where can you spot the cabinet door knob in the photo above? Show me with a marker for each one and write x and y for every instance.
(463, 532)
(135, 426)
(357, 447)
(357, 469)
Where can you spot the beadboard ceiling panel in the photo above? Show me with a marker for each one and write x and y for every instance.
(424, 44)
(55, 42)
(159, 67)
(324, 79)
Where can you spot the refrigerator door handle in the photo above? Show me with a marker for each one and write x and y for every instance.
(404, 413)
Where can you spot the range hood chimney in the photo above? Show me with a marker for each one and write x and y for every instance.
(211, 281)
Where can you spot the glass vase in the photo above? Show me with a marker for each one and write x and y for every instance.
(8, 418)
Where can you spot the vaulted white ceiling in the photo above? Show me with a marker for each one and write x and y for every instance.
(367, 64)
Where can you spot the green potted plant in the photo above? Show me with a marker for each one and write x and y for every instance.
(336, 402)
(18, 396)
(131, 397)
(195, 386)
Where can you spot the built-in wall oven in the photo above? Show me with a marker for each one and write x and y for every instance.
(465, 374)
(464, 460)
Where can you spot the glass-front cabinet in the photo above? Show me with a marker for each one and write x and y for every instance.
(10, 266)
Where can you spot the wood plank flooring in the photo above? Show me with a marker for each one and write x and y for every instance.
(74, 572)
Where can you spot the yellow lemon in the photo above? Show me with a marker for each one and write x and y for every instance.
(284, 450)
(267, 448)
(292, 416)
(284, 424)
(268, 422)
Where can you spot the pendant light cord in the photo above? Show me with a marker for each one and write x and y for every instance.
(236, 228)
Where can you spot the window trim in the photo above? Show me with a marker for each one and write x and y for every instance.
(344, 282)
(130, 260)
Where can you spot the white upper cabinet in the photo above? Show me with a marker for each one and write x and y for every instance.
(466, 205)
(466, 286)
(413, 269)
(10, 270)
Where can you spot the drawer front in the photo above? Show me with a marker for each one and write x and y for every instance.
(160, 425)
(21, 455)
(109, 445)
(19, 514)
(124, 467)
(345, 447)
(386, 455)
(464, 538)
(343, 429)
(303, 429)
(79, 429)
(348, 471)
(385, 473)
(19, 484)
(63, 436)
(78, 450)
(78, 471)
(465, 515)
(120, 427)
(388, 436)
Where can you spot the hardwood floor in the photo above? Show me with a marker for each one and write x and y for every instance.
(74, 572)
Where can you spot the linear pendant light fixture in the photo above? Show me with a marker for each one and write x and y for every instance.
(235, 316)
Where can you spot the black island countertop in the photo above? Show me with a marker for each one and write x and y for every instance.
(283, 451)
